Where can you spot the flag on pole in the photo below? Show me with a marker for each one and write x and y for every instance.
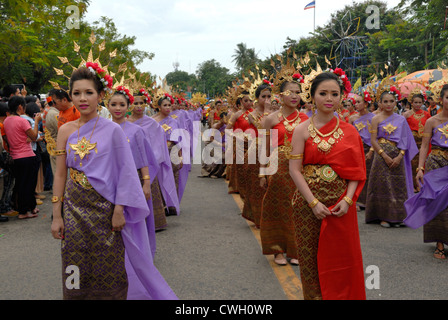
(310, 5)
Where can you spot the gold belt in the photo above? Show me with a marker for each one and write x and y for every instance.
(80, 178)
(440, 152)
(318, 172)
(382, 140)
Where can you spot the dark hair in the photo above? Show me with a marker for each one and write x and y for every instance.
(31, 109)
(283, 85)
(3, 109)
(261, 88)
(159, 102)
(387, 92)
(324, 76)
(60, 94)
(419, 95)
(15, 102)
(442, 92)
(85, 74)
(30, 99)
(238, 101)
(117, 93)
(8, 90)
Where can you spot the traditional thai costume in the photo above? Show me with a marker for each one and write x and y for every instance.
(330, 256)
(363, 125)
(429, 207)
(417, 122)
(254, 192)
(241, 143)
(277, 229)
(143, 157)
(165, 179)
(388, 188)
(102, 174)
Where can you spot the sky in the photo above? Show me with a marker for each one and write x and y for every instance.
(191, 32)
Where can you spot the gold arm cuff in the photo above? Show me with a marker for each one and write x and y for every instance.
(348, 200)
(380, 151)
(420, 169)
(146, 178)
(56, 199)
(60, 152)
(403, 152)
(373, 131)
(426, 135)
(313, 203)
(295, 156)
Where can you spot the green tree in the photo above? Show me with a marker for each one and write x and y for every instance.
(213, 79)
(245, 58)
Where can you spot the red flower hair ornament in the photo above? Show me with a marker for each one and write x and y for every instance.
(146, 95)
(298, 77)
(395, 92)
(124, 91)
(367, 97)
(106, 79)
(343, 80)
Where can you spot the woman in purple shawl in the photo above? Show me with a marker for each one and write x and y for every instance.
(164, 191)
(144, 157)
(105, 246)
(390, 181)
(174, 140)
(429, 208)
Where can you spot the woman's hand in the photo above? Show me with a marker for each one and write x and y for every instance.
(341, 208)
(263, 182)
(147, 189)
(419, 178)
(321, 211)
(57, 228)
(396, 161)
(369, 155)
(118, 220)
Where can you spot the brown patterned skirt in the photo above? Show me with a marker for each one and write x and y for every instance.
(437, 229)
(90, 246)
(254, 192)
(241, 168)
(277, 229)
(327, 189)
(386, 190)
(158, 205)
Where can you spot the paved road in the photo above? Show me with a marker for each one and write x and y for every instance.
(210, 253)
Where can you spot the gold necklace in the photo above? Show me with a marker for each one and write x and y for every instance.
(123, 131)
(289, 124)
(324, 145)
(83, 147)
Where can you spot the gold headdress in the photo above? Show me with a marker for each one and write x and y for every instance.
(287, 73)
(436, 87)
(93, 64)
(416, 91)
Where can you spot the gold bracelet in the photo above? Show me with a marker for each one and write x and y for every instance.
(146, 178)
(261, 176)
(403, 152)
(60, 152)
(348, 200)
(56, 199)
(295, 156)
(380, 151)
(313, 203)
(421, 168)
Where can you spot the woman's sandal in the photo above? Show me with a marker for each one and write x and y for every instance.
(439, 254)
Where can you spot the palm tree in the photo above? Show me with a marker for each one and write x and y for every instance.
(244, 58)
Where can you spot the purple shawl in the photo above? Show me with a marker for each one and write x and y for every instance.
(430, 201)
(432, 198)
(176, 132)
(402, 136)
(156, 137)
(112, 173)
(143, 157)
(439, 139)
(363, 125)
